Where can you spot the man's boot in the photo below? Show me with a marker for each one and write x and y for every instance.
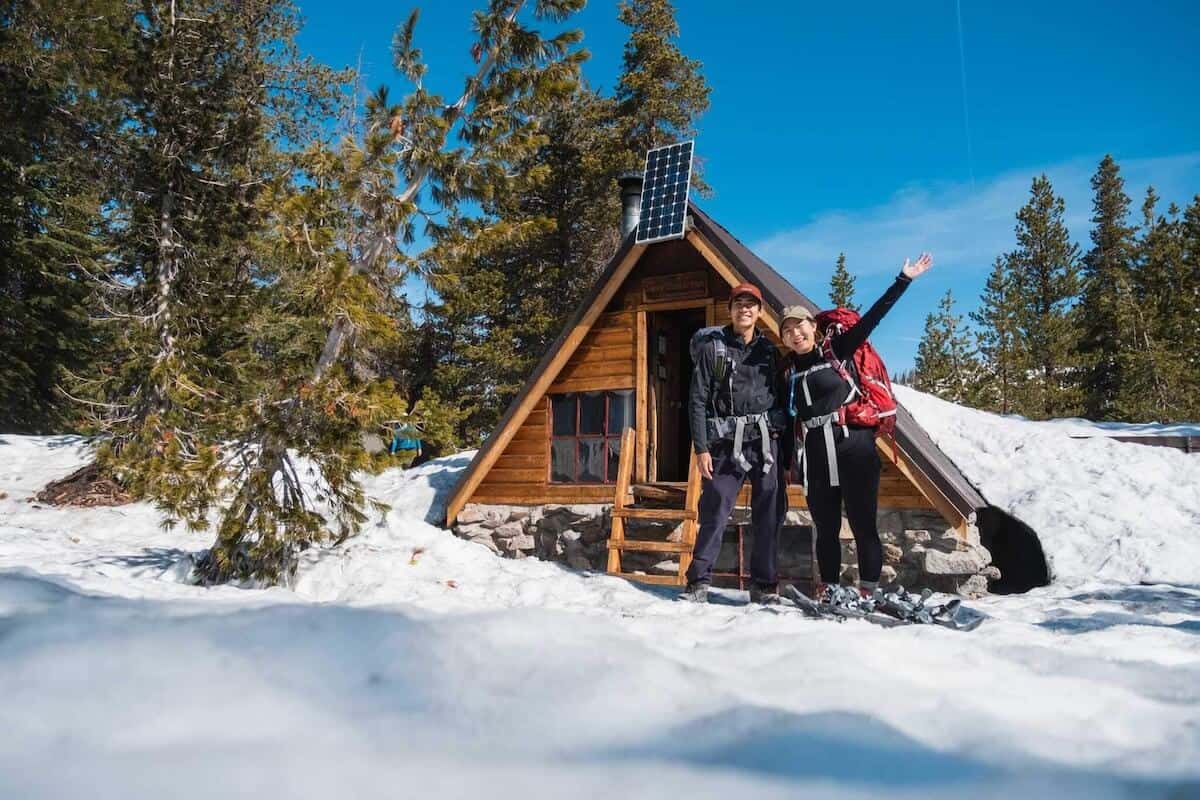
(696, 592)
(764, 594)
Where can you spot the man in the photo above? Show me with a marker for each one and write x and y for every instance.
(737, 413)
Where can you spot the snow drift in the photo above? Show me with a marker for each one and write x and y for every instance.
(1103, 510)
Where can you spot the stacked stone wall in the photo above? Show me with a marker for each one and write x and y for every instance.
(919, 549)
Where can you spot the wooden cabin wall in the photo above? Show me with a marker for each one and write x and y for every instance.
(521, 475)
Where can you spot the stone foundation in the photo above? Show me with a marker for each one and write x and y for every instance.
(919, 549)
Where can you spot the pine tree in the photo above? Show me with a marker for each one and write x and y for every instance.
(1105, 310)
(1156, 369)
(56, 100)
(507, 280)
(841, 286)
(946, 365)
(1003, 359)
(202, 95)
(1045, 282)
(1184, 321)
(338, 260)
(661, 92)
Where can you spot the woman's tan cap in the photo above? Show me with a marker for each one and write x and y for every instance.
(794, 312)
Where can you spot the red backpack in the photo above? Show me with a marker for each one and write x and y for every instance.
(872, 403)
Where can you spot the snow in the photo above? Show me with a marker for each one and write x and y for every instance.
(1103, 510)
(407, 662)
(1083, 427)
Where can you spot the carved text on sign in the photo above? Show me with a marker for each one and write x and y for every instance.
(681, 286)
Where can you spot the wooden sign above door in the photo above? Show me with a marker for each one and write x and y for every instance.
(680, 286)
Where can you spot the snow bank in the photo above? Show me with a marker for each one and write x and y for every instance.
(119, 698)
(1085, 427)
(1103, 510)
(409, 663)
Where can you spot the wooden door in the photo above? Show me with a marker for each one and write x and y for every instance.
(670, 377)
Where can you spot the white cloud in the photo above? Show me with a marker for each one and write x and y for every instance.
(964, 226)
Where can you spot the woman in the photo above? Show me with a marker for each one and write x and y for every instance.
(853, 477)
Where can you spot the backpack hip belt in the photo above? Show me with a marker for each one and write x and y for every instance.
(721, 426)
(825, 423)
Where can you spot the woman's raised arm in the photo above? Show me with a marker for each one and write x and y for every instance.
(847, 342)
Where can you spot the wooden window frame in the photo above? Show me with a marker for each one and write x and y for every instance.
(577, 437)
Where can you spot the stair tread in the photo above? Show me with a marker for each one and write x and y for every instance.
(650, 546)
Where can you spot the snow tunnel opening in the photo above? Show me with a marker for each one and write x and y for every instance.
(1016, 551)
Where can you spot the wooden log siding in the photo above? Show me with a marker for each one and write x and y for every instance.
(521, 474)
(605, 359)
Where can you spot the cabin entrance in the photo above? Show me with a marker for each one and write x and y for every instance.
(670, 365)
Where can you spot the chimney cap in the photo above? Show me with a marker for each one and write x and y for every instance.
(631, 179)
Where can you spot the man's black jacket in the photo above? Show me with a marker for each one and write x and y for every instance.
(756, 386)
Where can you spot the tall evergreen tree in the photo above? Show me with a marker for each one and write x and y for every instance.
(1156, 369)
(57, 84)
(946, 365)
(1003, 359)
(661, 92)
(1185, 316)
(507, 280)
(841, 286)
(203, 92)
(1045, 282)
(1106, 308)
(340, 237)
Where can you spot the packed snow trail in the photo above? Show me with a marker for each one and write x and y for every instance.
(408, 661)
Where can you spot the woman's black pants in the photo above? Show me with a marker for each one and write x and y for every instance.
(858, 472)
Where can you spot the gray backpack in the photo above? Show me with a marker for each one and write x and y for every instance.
(722, 364)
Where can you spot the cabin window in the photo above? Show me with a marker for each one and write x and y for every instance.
(585, 435)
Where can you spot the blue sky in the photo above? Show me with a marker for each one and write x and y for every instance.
(842, 127)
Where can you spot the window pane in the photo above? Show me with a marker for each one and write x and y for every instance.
(614, 457)
(591, 460)
(564, 414)
(562, 460)
(591, 413)
(620, 411)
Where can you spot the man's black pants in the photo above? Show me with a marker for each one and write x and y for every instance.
(768, 504)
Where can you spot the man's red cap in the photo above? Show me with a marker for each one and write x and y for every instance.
(745, 288)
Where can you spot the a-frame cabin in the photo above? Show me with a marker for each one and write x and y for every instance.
(622, 360)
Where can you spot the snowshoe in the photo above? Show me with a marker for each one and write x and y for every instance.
(846, 604)
(901, 604)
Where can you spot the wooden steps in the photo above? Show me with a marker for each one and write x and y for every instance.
(666, 493)
(662, 496)
(654, 513)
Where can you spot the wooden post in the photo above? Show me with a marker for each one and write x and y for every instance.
(690, 525)
(642, 365)
(621, 499)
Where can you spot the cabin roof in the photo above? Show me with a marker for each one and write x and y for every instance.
(913, 441)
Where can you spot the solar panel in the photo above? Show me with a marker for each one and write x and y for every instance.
(665, 193)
